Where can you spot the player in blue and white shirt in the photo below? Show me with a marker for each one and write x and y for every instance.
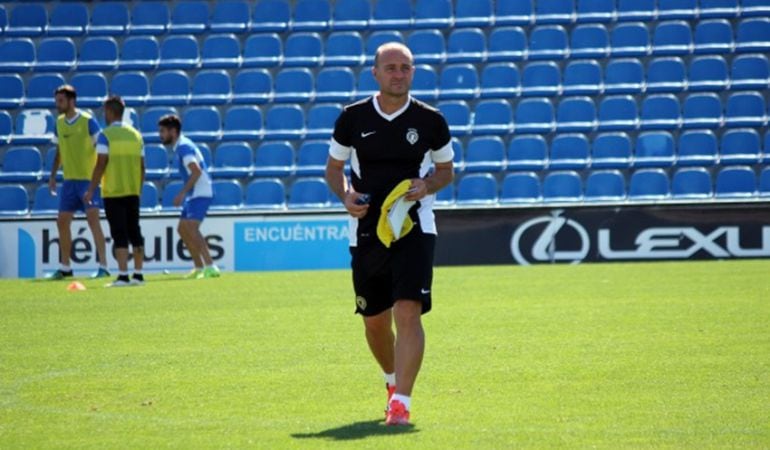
(195, 196)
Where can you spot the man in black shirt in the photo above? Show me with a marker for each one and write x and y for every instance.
(391, 137)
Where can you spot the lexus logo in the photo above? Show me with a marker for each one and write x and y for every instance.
(546, 245)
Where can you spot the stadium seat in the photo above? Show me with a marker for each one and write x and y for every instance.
(678, 9)
(210, 87)
(649, 184)
(274, 159)
(654, 149)
(477, 189)
(221, 52)
(21, 165)
(303, 50)
(190, 17)
(44, 203)
(170, 88)
(27, 20)
(605, 185)
(263, 50)
(3, 19)
(624, 76)
(378, 38)
(713, 36)
(311, 15)
(589, 41)
(151, 18)
(708, 73)
(91, 89)
(750, 72)
(555, 12)
(202, 123)
(366, 85)
(445, 196)
(520, 187)
(660, 112)
(611, 151)
(466, 45)
(311, 158)
(527, 152)
(321, 119)
(167, 197)
(459, 157)
(702, 111)
(149, 122)
(473, 13)
(629, 39)
(351, 14)
(148, 198)
(293, 85)
(507, 44)
(155, 162)
(492, 117)
(391, 15)
(457, 115)
(618, 113)
(424, 83)
(344, 48)
(672, 38)
(12, 91)
(335, 84)
(458, 81)
(666, 75)
(745, 109)
(17, 55)
(513, 12)
(718, 8)
(642, 10)
(697, 148)
(500, 80)
(68, 19)
(750, 8)
(576, 114)
(764, 182)
(109, 18)
(179, 52)
(562, 186)
(228, 195)
(309, 193)
(485, 154)
(232, 160)
(40, 91)
(595, 11)
(6, 127)
(541, 79)
(569, 152)
(284, 122)
(753, 35)
(139, 53)
(14, 200)
(267, 193)
(271, 16)
(548, 42)
(242, 123)
(434, 14)
(34, 126)
(231, 16)
(736, 181)
(56, 55)
(534, 115)
(740, 146)
(98, 53)
(582, 78)
(427, 46)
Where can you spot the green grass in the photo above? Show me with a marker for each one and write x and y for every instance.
(656, 355)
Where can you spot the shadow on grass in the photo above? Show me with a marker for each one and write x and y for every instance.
(357, 430)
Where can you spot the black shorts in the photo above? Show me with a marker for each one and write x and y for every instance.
(123, 216)
(402, 272)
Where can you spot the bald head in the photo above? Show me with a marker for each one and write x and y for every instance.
(393, 48)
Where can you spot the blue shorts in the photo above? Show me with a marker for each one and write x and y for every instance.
(71, 196)
(195, 208)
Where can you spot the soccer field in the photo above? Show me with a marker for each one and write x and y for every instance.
(655, 355)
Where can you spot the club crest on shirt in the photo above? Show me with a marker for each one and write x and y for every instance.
(361, 302)
(412, 136)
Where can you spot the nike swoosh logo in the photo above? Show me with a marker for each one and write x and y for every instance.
(363, 135)
(424, 291)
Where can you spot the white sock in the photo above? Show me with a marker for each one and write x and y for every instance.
(390, 378)
(407, 401)
(64, 268)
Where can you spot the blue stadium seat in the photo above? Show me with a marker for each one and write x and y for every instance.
(745, 109)
(474, 13)
(179, 52)
(14, 200)
(311, 15)
(44, 203)
(507, 44)
(660, 112)
(34, 126)
(56, 55)
(576, 114)
(718, 8)
(666, 75)
(202, 123)
(654, 149)
(750, 8)
(210, 87)
(335, 84)
(500, 80)
(303, 49)
(148, 199)
(520, 187)
(91, 89)
(548, 42)
(555, 12)
(366, 85)
(231, 16)
(155, 162)
(271, 16)
(167, 197)
(672, 38)
(713, 36)
(21, 165)
(321, 119)
(678, 9)
(637, 10)
(750, 72)
(221, 52)
(459, 156)
(427, 46)
(391, 15)
(98, 53)
(6, 127)
(629, 39)
(311, 158)
(189, 17)
(267, 193)
(736, 181)
(170, 88)
(149, 122)
(569, 151)
(242, 123)
(27, 20)
(541, 78)
(293, 85)
(753, 35)
(562, 186)
(433, 14)
(284, 122)
(624, 76)
(708, 73)
(764, 182)
(513, 12)
(611, 151)
(12, 91)
(527, 152)
(466, 45)
(344, 48)
(109, 18)
(445, 196)
(702, 111)
(40, 90)
(378, 38)
(457, 115)
(133, 87)
(605, 185)
(485, 154)
(595, 11)
(697, 148)
(459, 81)
(425, 83)
(649, 184)
(740, 146)
(492, 117)
(618, 113)
(274, 159)
(589, 41)
(534, 115)
(309, 193)
(477, 189)
(68, 19)
(232, 160)
(17, 55)
(3, 19)
(352, 14)
(582, 78)
(139, 53)
(263, 50)
(228, 195)
(151, 18)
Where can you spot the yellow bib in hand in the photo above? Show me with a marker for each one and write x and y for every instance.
(384, 232)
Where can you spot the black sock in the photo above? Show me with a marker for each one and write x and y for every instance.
(123, 278)
(138, 276)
